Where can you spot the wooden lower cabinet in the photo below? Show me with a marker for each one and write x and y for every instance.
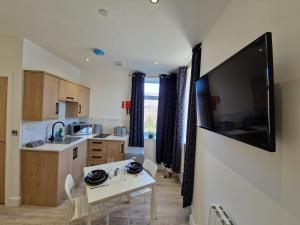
(101, 151)
(43, 174)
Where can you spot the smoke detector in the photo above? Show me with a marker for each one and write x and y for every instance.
(98, 52)
(103, 12)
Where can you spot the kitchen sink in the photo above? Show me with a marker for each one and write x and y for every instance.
(102, 135)
(66, 140)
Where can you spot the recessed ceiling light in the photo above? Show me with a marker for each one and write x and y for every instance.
(87, 59)
(154, 1)
(119, 63)
(103, 12)
(155, 63)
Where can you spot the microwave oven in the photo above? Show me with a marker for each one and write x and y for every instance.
(78, 129)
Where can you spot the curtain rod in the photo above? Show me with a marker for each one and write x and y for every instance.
(147, 75)
(189, 64)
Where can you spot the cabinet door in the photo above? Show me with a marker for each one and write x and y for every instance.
(50, 97)
(84, 101)
(68, 91)
(79, 161)
(115, 150)
(40, 97)
(65, 167)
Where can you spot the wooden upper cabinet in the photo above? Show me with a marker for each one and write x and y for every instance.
(68, 91)
(40, 98)
(83, 101)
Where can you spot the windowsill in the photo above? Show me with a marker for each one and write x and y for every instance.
(150, 139)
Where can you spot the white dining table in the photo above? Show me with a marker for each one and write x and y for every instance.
(116, 186)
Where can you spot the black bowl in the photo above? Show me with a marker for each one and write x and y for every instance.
(134, 166)
(96, 175)
(96, 182)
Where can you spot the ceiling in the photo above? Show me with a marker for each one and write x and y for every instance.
(135, 32)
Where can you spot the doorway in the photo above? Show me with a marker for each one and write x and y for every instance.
(3, 110)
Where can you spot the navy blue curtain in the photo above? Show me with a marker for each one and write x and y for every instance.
(166, 119)
(136, 137)
(190, 151)
(178, 131)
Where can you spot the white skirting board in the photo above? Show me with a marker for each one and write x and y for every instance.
(13, 202)
(192, 221)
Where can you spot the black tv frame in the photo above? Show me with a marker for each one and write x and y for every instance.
(271, 147)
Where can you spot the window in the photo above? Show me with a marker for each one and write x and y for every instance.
(150, 107)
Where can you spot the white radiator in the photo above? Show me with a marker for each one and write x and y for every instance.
(217, 216)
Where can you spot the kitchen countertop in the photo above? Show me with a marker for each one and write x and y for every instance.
(112, 138)
(48, 147)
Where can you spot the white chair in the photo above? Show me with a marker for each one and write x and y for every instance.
(151, 168)
(78, 204)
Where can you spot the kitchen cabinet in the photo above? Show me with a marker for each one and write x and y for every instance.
(115, 150)
(100, 151)
(96, 152)
(43, 174)
(83, 101)
(68, 91)
(40, 97)
(79, 156)
(80, 108)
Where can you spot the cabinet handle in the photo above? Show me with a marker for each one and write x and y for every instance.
(96, 150)
(95, 142)
(79, 109)
(97, 157)
(56, 108)
(122, 149)
(69, 98)
(75, 153)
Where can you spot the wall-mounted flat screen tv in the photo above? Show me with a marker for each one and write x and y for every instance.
(236, 99)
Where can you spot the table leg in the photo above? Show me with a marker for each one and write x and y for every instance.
(153, 205)
(89, 219)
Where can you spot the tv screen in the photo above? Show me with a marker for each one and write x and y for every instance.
(236, 99)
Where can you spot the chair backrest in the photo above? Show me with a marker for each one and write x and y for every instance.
(151, 167)
(69, 185)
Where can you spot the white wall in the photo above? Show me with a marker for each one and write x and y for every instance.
(37, 58)
(108, 90)
(254, 186)
(11, 67)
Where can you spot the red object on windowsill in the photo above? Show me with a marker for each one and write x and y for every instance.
(128, 106)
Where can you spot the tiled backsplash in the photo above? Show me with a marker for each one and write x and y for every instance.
(109, 124)
(35, 130)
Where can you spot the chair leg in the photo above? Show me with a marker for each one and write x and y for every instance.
(107, 214)
(155, 215)
(120, 200)
(88, 220)
(155, 201)
(129, 212)
(69, 216)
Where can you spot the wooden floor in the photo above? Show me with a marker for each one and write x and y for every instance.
(169, 210)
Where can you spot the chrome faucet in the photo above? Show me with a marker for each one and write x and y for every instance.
(52, 132)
